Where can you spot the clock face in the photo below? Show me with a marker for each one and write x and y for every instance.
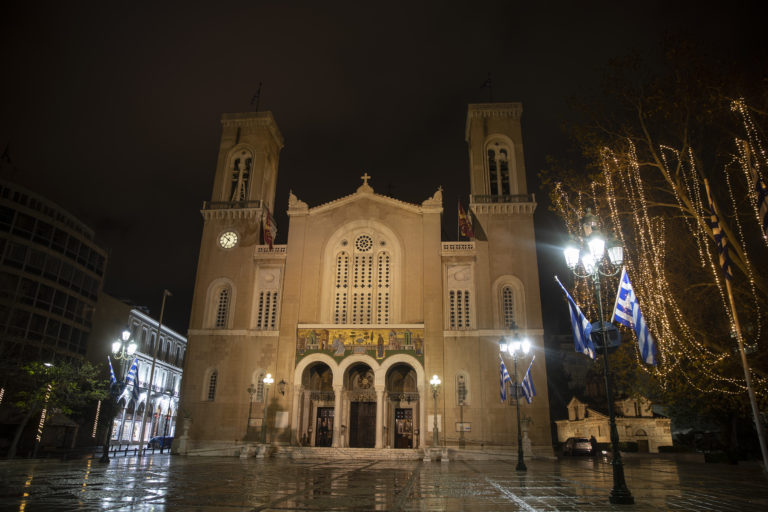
(228, 239)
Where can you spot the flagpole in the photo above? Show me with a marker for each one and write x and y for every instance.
(748, 378)
(458, 223)
(166, 293)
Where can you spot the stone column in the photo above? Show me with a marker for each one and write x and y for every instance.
(422, 417)
(336, 414)
(133, 421)
(122, 424)
(295, 425)
(379, 416)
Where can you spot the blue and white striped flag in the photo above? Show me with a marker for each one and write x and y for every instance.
(131, 377)
(527, 385)
(582, 329)
(503, 379)
(627, 312)
(112, 379)
(720, 239)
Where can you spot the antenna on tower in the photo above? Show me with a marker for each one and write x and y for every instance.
(256, 97)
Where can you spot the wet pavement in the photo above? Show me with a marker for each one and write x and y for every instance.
(164, 482)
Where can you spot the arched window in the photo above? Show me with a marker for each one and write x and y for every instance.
(508, 307)
(241, 175)
(500, 165)
(212, 380)
(509, 303)
(222, 308)
(363, 282)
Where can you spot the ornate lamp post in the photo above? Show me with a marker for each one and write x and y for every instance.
(122, 350)
(589, 250)
(268, 380)
(435, 383)
(514, 347)
(251, 390)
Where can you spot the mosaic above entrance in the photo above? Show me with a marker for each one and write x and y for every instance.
(377, 343)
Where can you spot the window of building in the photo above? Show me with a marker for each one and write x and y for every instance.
(212, 385)
(508, 306)
(363, 282)
(222, 308)
(459, 313)
(241, 174)
(509, 303)
(499, 161)
(266, 312)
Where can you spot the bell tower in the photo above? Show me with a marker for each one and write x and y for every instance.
(495, 139)
(246, 170)
(503, 208)
(243, 193)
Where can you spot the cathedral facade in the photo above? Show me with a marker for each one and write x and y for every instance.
(365, 302)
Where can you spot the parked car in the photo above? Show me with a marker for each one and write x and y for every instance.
(577, 446)
(160, 442)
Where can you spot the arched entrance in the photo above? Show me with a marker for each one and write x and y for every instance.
(403, 407)
(361, 397)
(318, 405)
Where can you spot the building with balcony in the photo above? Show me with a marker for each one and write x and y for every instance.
(111, 318)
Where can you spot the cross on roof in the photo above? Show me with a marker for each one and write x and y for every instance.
(365, 178)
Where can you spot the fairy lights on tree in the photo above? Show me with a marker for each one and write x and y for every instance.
(653, 199)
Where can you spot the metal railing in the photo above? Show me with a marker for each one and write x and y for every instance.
(228, 205)
(517, 198)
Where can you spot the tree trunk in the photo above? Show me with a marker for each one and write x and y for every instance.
(19, 430)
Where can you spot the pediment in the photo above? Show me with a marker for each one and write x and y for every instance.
(365, 193)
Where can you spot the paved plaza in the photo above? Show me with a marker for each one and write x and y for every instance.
(164, 482)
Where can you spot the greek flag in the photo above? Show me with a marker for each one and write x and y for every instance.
(131, 377)
(720, 238)
(627, 312)
(527, 385)
(582, 329)
(112, 379)
(503, 379)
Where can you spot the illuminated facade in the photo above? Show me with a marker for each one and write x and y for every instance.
(362, 306)
(163, 399)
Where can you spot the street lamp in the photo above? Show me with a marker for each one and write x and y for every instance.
(513, 347)
(435, 383)
(251, 391)
(268, 380)
(123, 349)
(590, 250)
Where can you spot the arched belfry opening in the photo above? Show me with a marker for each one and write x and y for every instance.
(402, 407)
(361, 400)
(317, 405)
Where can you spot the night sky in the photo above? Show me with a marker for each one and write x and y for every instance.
(112, 111)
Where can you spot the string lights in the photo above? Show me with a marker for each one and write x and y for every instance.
(659, 211)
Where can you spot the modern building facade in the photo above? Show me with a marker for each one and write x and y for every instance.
(362, 306)
(51, 273)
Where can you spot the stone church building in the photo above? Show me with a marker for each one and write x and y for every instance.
(362, 306)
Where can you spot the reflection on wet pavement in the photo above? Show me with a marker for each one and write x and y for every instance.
(163, 482)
